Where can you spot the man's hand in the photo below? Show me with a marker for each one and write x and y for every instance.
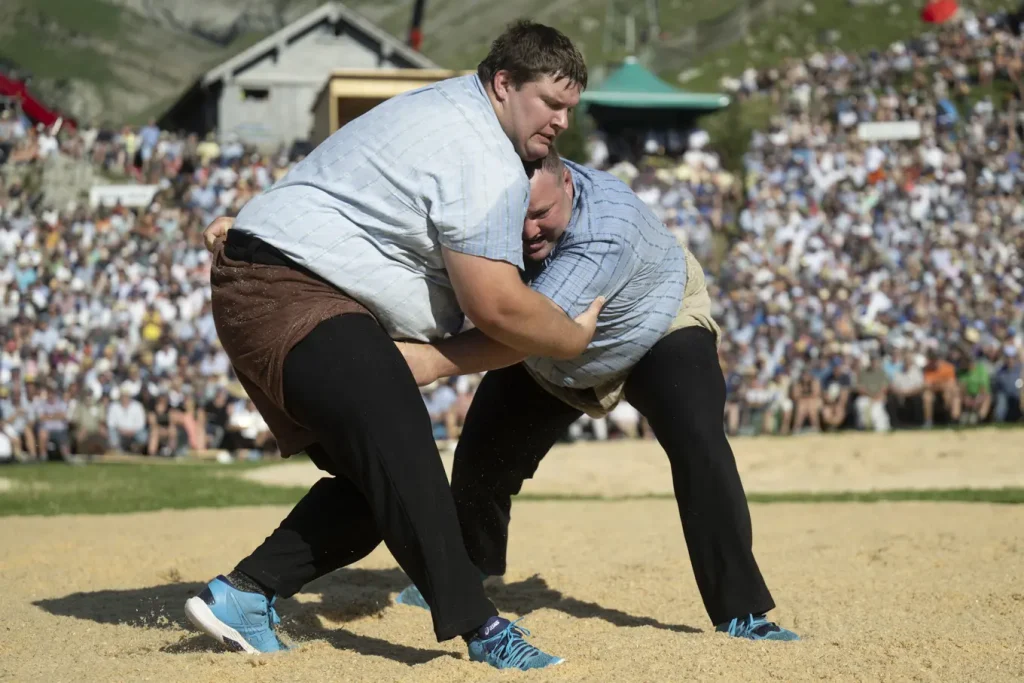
(588, 318)
(422, 360)
(216, 232)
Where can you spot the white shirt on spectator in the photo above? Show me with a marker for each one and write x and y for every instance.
(214, 365)
(249, 422)
(121, 419)
(10, 240)
(164, 360)
(874, 158)
(908, 380)
(48, 145)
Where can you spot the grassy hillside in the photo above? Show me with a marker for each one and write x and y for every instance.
(821, 23)
(476, 23)
(103, 61)
(120, 60)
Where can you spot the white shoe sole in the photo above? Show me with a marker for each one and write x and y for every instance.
(199, 613)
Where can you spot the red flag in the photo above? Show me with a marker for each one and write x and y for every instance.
(415, 38)
(939, 11)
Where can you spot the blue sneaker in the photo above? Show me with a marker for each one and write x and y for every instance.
(243, 622)
(503, 645)
(411, 596)
(756, 627)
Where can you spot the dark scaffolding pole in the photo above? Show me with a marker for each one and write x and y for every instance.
(416, 28)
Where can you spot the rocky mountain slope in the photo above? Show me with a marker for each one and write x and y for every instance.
(124, 60)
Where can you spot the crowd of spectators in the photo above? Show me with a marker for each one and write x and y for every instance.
(881, 282)
(865, 284)
(108, 340)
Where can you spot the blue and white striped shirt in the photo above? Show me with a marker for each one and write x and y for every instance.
(370, 208)
(617, 248)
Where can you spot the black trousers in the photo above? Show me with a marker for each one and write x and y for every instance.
(349, 384)
(678, 386)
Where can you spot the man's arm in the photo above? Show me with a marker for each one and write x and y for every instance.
(464, 354)
(492, 295)
(571, 284)
(477, 205)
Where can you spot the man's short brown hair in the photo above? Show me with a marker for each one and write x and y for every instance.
(550, 163)
(528, 51)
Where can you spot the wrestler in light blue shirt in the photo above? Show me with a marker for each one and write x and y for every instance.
(614, 247)
(371, 207)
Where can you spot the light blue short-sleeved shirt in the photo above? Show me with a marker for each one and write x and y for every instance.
(617, 248)
(370, 208)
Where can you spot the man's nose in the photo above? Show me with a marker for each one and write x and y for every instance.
(530, 230)
(561, 120)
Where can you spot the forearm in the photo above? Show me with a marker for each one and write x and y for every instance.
(470, 352)
(533, 325)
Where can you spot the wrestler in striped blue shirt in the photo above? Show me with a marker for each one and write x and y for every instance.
(586, 235)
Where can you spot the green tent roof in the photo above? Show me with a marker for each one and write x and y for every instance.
(632, 86)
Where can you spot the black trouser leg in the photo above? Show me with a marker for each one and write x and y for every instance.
(678, 386)
(348, 383)
(311, 542)
(511, 424)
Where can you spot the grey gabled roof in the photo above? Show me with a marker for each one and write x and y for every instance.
(335, 11)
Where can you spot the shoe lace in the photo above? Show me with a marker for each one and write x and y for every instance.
(274, 618)
(751, 624)
(512, 647)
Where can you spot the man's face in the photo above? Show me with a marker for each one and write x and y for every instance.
(548, 214)
(536, 112)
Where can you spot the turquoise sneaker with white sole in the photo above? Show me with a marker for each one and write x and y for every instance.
(241, 621)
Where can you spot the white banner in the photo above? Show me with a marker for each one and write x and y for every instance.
(131, 196)
(889, 130)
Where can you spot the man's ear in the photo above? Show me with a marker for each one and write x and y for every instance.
(501, 83)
